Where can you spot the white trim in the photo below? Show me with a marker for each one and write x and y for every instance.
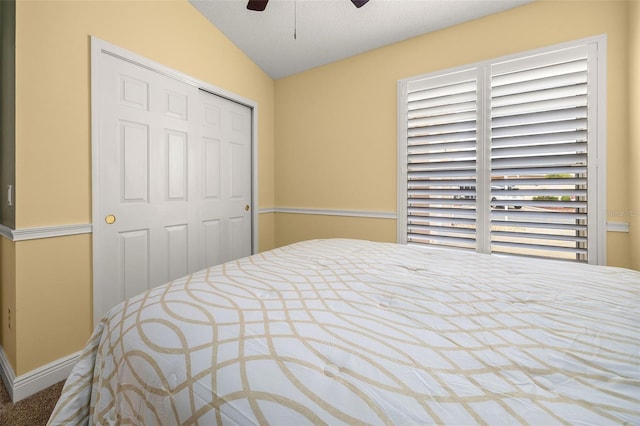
(618, 226)
(267, 210)
(51, 231)
(401, 176)
(6, 232)
(6, 372)
(45, 231)
(327, 212)
(34, 381)
(254, 179)
(601, 128)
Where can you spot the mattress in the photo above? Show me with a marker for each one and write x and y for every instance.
(343, 331)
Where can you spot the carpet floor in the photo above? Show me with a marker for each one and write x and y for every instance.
(32, 411)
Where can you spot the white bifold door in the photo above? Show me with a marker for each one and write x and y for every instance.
(172, 190)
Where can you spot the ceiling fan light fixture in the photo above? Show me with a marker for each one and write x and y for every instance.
(260, 5)
(257, 5)
(359, 3)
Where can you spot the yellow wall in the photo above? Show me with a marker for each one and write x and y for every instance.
(7, 298)
(53, 299)
(298, 227)
(52, 277)
(336, 131)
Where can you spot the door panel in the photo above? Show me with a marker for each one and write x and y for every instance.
(134, 253)
(173, 177)
(212, 241)
(177, 242)
(177, 166)
(211, 167)
(135, 158)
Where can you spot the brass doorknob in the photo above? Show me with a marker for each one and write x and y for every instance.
(110, 219)
(246, 207)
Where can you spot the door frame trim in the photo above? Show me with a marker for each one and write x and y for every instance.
(100, 47)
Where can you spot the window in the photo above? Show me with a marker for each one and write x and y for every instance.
(507, 156)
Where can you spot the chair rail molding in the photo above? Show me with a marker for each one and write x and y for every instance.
(333, 212)
(37, 233)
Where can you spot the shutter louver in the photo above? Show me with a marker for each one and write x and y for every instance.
(539, 139)
(441, 160)
(508, 155)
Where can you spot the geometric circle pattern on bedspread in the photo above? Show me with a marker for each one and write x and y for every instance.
(351, 332)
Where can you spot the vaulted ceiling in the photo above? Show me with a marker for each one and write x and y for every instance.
(291, 36)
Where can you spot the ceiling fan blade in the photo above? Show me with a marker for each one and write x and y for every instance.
(258, 5)
(359, 3)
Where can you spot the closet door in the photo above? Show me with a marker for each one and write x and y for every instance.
(172, 165)
(225, 201)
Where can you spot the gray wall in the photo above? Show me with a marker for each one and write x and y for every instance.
(7, 109)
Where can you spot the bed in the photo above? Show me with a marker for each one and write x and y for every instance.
(342, 331)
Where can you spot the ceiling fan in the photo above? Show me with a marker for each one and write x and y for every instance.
(260, 5)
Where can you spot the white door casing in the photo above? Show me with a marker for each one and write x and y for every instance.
(172, 176)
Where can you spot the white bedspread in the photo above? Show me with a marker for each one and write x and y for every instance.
(353, 332)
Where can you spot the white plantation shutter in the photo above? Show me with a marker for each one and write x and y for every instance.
(441, 159)
(507, 156)
(540, 147)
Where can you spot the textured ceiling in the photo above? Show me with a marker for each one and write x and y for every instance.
(291, 36)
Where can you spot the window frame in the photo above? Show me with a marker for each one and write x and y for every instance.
(596, 154)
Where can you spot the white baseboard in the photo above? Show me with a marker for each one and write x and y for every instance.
(34, 381)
